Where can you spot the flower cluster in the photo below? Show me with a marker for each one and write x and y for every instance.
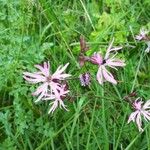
(142, 110)
(52, 86)
(103, 63)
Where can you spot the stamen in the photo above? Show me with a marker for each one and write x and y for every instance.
(104, 61)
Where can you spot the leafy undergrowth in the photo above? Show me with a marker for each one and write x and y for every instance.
(32, 32)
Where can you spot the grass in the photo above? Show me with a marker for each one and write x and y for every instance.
(32, 32)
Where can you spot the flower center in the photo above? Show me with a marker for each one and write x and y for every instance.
(103, 62)
(49, 79)
(137, 106)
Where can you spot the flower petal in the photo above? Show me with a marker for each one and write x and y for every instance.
(99, 76)
(117, 63)
(132, 116)
(96, 59)
(54, 106)
(139, 122)
(146, 105)
(33, 75)
(44, 70)
(59, 73)
(108, 76)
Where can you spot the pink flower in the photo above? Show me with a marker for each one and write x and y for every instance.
(142, 35)
(141, 110)
(85, 79)
(103, 74)
(57, 100)
(50, 82)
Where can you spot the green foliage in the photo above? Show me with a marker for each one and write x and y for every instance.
(32, 32)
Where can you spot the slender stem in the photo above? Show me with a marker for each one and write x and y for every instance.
(137, 70)
(106, 146)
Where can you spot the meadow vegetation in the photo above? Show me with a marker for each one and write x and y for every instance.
(37, 31)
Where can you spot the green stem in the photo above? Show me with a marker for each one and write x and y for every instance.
(106, 146)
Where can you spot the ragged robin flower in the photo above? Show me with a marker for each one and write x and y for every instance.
(143, 36)
(107, 61)
(49, 83)
(57, 101)
(141, 111)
